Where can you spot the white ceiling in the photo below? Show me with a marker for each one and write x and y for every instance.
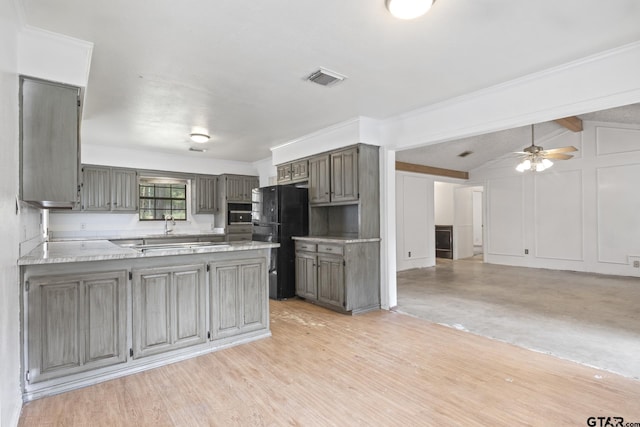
(235, 68)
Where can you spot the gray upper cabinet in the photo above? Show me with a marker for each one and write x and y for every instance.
(300, 171)
(107, 189)
(293, 172)
(124, 190)
(344, 192)
(248, 184)
(168, 309)
(49, 143)
(284, 173)
(96, 188)
(238, 188)
(319, 180)
(333, 178)
(206, 194)
(76, 323)
(344, 175)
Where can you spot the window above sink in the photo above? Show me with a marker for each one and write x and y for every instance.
(161, 198)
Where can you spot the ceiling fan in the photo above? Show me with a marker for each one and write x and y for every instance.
(537, 158)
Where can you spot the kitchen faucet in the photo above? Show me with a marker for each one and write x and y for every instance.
(168, 218)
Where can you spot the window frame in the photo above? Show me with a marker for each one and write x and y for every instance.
(159, 184)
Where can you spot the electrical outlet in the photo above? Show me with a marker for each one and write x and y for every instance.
(526, 251)
(83, 226)
(636, 264)
(213, 226)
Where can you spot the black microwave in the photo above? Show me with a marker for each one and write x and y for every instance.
(239, 213)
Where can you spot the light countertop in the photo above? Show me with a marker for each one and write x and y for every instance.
(335, 239)
(98, 250)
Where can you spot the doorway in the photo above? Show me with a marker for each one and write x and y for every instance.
(460, 208)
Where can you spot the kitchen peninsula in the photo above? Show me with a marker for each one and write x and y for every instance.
(96, 310)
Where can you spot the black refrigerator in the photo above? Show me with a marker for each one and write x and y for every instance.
(279, 212)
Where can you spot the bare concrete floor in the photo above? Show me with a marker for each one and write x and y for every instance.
(587, 318)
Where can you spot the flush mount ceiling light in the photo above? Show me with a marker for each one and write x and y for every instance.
(200, 138)
(409, 9)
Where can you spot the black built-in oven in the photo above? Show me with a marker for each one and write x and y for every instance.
(238, 213)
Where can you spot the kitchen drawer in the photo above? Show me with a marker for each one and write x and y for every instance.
(331, 249)
(238, 237)
(127, 242)
(238, 229)
(218, 238)
(169, 239)
(305, 246)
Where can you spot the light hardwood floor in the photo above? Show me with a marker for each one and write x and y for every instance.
(324, 369)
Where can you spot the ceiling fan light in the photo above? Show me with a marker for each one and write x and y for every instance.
(408, 9)
(524, 165)
(547, 163)
(200, 138)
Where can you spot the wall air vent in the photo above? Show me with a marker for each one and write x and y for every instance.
(325, 77)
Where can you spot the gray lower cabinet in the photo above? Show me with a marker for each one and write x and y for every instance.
(306, 283)
(341, 276)
(76, 323)
(238, 301)
(168, 308)
(331, 287)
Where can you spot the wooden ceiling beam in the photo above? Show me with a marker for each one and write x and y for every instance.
(573, 123)
(430, 170)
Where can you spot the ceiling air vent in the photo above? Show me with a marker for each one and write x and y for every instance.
(465, 153)
(199, 150)
(326, 77)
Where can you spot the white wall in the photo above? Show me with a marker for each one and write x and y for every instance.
(581, 215)
(359, 130)
(478, 216)
(415, 235)
(41, 52)
(443, 202)
(266, 171)
(10, 396)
